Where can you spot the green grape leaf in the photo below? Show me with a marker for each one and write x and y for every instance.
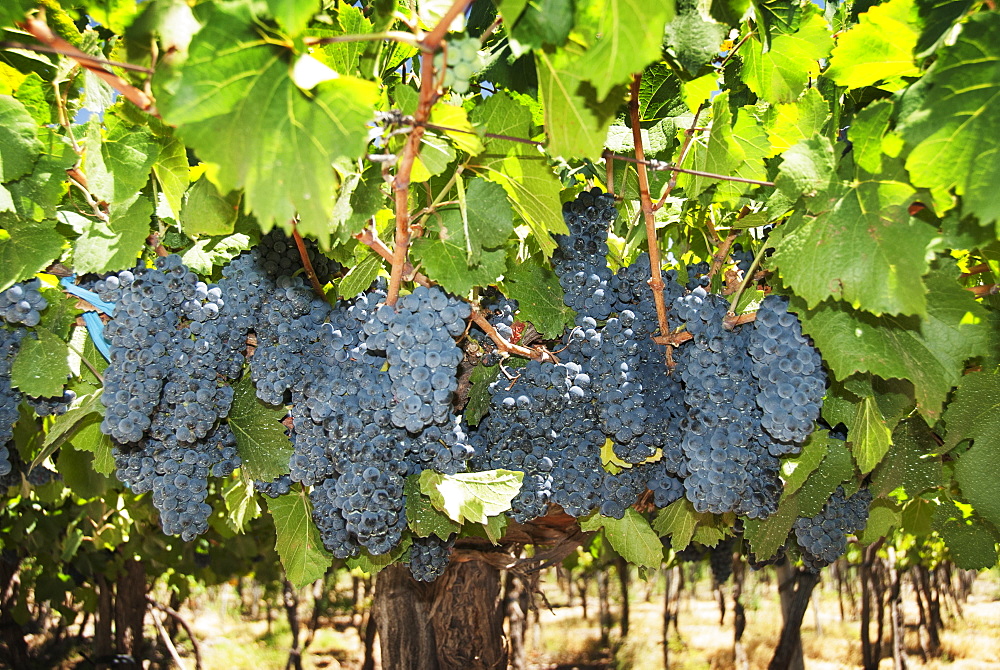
(445, 261)
(484, 223)
(808, 168)
(869, 435)
(629, 35)
(720, 155)
(918, 515)
(866, 135)
(937, 20)
(691, 40)
(797, 121)
(171, 172)
(83, 408)
(576, 118)
(298, 542)
(883, 516)
(77, 470)
(236, 104)
(834, 469)
(972, 545)
(371, 565)
(631, 536)
(293, 15)
(661, 94)
(495, 528)
(767, 536)
(19, 143)
(343, 57)
(260, 436)
(41, 366)
(863, 248)
(241, 504)
(26, 247)
(776, 17)
(208, 212)
(422, 517)
(531, 186)
(539, 297)
(878, 49)
(473, 496)
(795, 470)
(931, 352)
(679, 520)
(360, 277)
(910, 464)
(539, 22)
(972, 415)
(208, 252)
(35, 196)
(118, 165)
(115, 244)
(955, 133)
(478, 405)
(90, 438)
(782, 73)
(13, 11)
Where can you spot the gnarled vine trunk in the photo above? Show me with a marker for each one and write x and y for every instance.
(454, 623)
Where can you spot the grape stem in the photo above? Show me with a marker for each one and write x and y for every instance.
(656, 279)
(731, 320)
(43, 33)
(401, 182)
(70, 54)
(306, 263)
(722, 254)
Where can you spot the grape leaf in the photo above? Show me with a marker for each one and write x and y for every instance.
(41, 366)
(628, 37)
(77, 470)
(781, 73)
(972, 415)
(910, 465)
(972, 545)
(171, 171)
(539, 22)
(866, 135)
(343, 56)
(797, 121)
(444, 261)
(293, 15)
(523, 172)
(479, 395)
(692, 41)
(807, 168)
(863, 248)
(208, 252)
(720, 155)
(90, 438)
(422, 517)
(241, 504)
(36, 195)
(539, 298)
(869, 435)
(879, 48)
(473, 495)
(298, 542)
(955, 133)
(485, 224)
(795, 470)
(234, 102)
(835, 468)
(19, 143)
(767, 536)
(208, 212)
(26, 247)
(64, 426)
(883, 516)
(116, 244)
(930, 352)
(937, 20)
(576, 119)
(661, 94)
(360, 277)
(371, 565)
(118, 165)
(679, 520)
(260, 437)
(631, 536)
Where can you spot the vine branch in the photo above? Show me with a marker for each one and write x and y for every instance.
(685, 149)
(79, 58)
(646, 202)
(306, 263)
(43, 33)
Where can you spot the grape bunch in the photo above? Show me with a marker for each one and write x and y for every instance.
(10, 342)
(22, 303)
(463, 62)
(720, 560)
(51, 406)
(275, 488)
(823, 538)
(429, 557)
(790, 374)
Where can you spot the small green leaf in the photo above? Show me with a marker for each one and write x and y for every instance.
(260, 436)
(65, 425)
(360, 277)
(26, 247)
(631, 536)
(781, 73)
(837, 467)
(171, 171)
(422, 517)
(679, 520)
(479, 396)
(114, 245)
(869, 435)
(475, 496)
(205, 254)
(444, 261)
(208, 212)
(241, 504)
(19, 143)
(798, 121)
(910, 464)
(118, 165)
(972, 545)
(293, 15)
(807, 168)
(795, 470)
(767, 536)
(90, 438)
(883, 516)
(495, 528)
(878, 49)
(298, 542)
(41, 367)
(371, 565)
(539, 297)
(77, 470)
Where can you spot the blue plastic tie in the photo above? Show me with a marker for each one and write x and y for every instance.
(96, 329)
(91, 297)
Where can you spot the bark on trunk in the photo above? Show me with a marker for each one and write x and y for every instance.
(516, 620)
(104, 616)
(740, 658)
(795, 587)
(623, 581)
(896, 610)
(290, 598)
(130, 610)
(15, 654)
(455, 623)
